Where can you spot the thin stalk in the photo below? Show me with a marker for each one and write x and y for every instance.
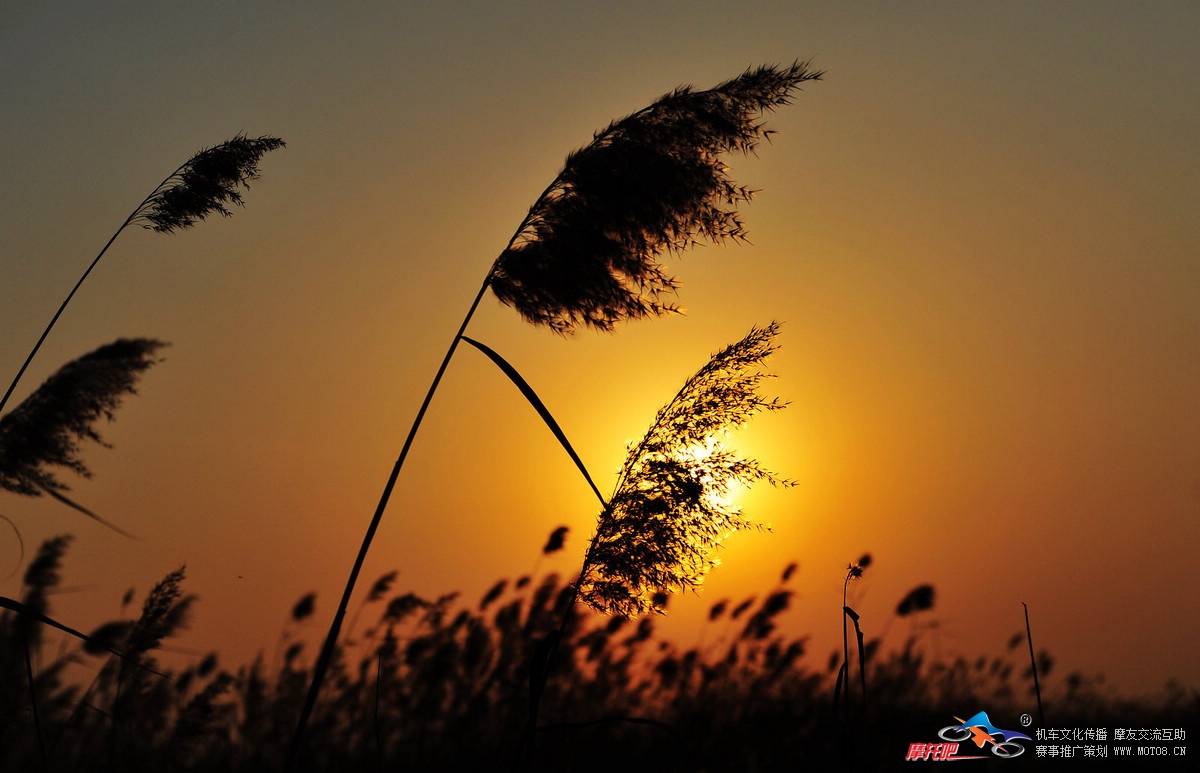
(539, 670)
(862, 655)
(330, 646)
(853, 572)
(845, 683)
(132, 216)
(375, 721)
(57, 314)
(1033, 662)
(327, 650)
(33, 707)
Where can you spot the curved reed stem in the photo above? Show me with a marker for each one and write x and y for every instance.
(330, 646)
(586, 252)
(1037, 688)
(203, 184)
(133, 215)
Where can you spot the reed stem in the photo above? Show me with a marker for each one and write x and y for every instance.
(137, 211)
(329, 648)
(1033, 662)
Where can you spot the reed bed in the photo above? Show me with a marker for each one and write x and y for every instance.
(440, 684)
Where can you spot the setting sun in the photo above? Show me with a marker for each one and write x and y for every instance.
(421, 271)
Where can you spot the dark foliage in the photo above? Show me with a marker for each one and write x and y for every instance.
(444, 688)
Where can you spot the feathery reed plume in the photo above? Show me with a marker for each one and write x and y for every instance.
(382, 586)
(717, 610)
(41, 577)
(671, 508)
(492, 594)
(108, 636)
(587, 251)
(555, 543)
(46, 429)
(205, 183)
(648, 184)
(918, 599)
(741, 608)
(762, 623)
(164, 613)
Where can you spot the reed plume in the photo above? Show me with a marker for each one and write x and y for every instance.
(46, 430)
(41, 577)
(652, 183)
(657, 534)
(918, 599)
(660, 530)
(588, 250)
(164, 613)
(207, 182)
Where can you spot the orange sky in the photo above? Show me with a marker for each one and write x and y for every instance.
(979, 232)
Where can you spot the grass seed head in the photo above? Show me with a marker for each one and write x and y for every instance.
(45, 431)
(671, 509)
(208, 183)
(655, 182)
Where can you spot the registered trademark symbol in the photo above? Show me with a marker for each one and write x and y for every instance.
(1026, 720)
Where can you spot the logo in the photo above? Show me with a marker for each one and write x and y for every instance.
(977, 729)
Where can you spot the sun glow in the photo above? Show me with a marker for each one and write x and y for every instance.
(720, 496)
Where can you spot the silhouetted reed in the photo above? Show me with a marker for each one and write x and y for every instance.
(841, 693)
(438, 685)
(588, 250)
(652, 183)
(659, 531)
(1033, 665)
(44, 432)
(206, 183)
(918, 599)
(657, 534)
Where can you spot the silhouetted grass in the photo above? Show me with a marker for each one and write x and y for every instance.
(440, 684)
(589, 250)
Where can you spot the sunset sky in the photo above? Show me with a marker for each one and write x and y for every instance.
(980, 233)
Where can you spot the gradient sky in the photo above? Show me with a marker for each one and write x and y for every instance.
(979, 231)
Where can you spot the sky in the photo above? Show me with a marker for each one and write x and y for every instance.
(978, 231)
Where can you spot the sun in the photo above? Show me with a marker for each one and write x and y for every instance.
(720, 497)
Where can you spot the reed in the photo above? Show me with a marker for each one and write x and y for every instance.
(588, 251)
(205, 184)
(443, 691)
(657, 534)
(854, 571)
(659, 531)
(44, 433)
(1033, 666)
